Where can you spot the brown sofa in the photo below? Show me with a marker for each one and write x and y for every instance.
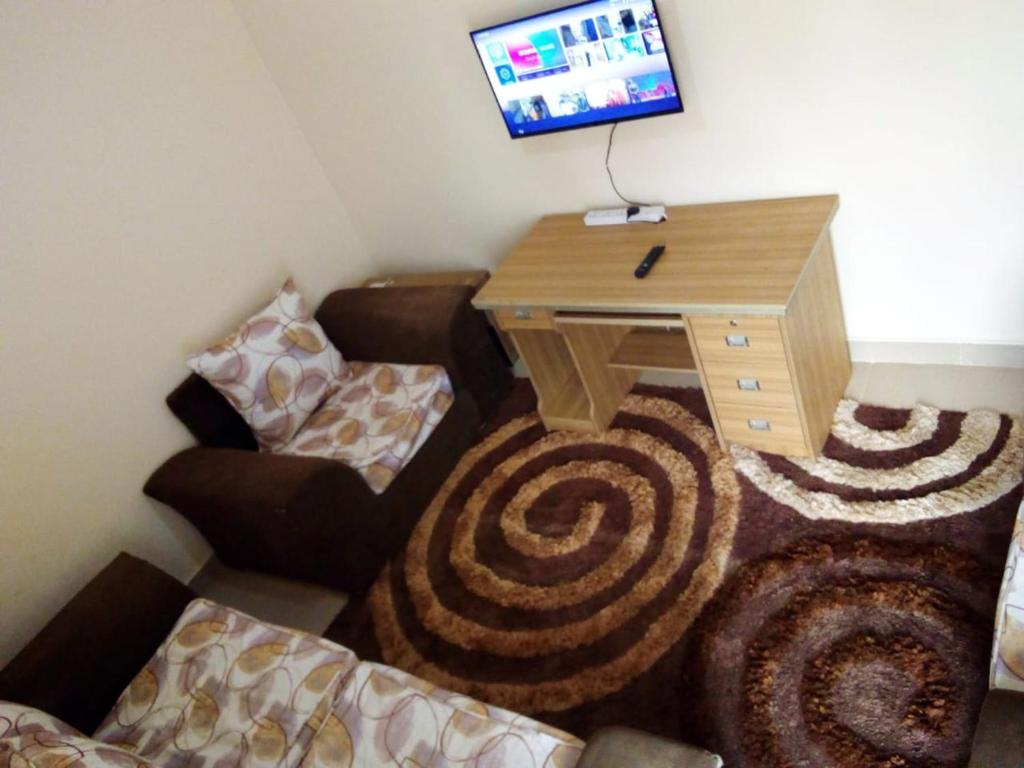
(78, 665)
(999, 738)
(316, 519)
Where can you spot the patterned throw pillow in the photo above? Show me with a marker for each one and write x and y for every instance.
(381, 415)
(275, 369)
(386, 718)
(18, 720)
(45, 749)
(226, 689)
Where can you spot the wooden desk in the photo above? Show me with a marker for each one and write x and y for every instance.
(745, 294)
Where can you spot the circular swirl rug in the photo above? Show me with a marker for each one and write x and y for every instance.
(782, 612)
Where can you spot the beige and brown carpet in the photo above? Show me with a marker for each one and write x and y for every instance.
(835, 612)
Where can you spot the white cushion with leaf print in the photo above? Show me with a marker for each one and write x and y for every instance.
(388, 719)
(30, 738)
(20, 720)
(381, 415)
(227, 689)
(276, 369)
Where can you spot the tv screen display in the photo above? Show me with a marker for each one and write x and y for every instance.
(602, 61)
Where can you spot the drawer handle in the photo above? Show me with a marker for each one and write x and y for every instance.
(522, 314)
(748, 385)
(737, 341)
(760, 425)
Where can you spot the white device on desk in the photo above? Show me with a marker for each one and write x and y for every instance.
(608, 216)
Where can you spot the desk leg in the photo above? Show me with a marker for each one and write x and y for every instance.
(561, 398)
(592, 346)
(704, 384)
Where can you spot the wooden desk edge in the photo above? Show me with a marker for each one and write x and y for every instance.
(646, 309)
(834, 196)
(480, 300)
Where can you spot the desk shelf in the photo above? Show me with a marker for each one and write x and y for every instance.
(655, 349)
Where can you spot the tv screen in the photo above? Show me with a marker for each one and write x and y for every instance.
(602, 61)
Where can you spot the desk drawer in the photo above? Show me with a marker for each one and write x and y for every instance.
(752, 383)
(773, 430)
(734, 339)
(531, 319)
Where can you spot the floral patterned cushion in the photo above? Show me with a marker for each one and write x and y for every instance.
(460, 701)
(377, 420)
(46, 749)
(225, 689)
(385, 718)
(1008, 651)
(19, 720)
(275, 369)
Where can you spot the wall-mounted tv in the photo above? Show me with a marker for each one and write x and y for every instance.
(601, 61)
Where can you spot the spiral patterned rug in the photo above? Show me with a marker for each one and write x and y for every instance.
(781, 612)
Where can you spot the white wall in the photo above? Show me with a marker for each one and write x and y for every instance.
(911, 110)
(154, 188)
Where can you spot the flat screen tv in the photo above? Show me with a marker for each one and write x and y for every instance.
(601, 61)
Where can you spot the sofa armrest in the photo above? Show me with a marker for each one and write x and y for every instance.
(616, 747)
(999, 738)
(260, 482)
(262, 510)
(82, 660)
(434, 324)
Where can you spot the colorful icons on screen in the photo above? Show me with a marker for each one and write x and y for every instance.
(571, 64)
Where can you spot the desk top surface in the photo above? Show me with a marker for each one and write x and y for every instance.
(723, 257)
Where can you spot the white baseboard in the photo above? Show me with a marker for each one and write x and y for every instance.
(937, 353)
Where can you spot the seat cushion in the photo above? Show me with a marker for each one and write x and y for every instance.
(1008, 648)
(227, 689)
(275, 370)
(378, 418)
(387, 718)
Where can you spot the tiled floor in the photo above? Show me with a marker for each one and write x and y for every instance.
(950, 387)
(280, 601)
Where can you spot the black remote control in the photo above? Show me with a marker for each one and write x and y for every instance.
(652, 256)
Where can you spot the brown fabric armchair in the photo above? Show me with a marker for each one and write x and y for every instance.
(316, 519)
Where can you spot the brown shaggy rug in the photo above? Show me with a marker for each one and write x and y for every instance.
(780, 612)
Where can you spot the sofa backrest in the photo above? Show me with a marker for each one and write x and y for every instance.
(396, 325)
(79, 663)
(209, 416)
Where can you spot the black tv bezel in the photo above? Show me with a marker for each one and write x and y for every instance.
(501, 111)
